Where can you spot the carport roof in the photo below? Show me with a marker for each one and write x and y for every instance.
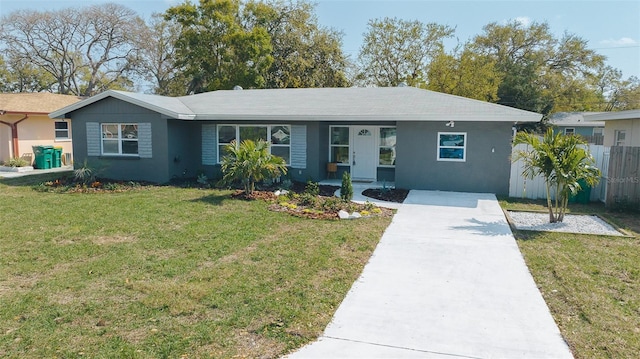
(319, 104)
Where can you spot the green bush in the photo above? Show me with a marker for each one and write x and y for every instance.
(16, 162)
(346, 190)
(312, 188)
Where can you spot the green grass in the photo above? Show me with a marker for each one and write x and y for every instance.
(590, 283)
(162, 272)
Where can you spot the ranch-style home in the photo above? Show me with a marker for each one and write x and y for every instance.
(416, 138)
(24, 123)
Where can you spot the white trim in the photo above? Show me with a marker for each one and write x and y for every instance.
(464, 147)
(119, 139)
(55, 130)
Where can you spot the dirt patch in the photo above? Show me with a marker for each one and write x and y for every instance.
(397, 195)
(101, 240)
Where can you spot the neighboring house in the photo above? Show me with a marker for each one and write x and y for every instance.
(416, 138)
(621, 128)
(574, 123)
(24, 123)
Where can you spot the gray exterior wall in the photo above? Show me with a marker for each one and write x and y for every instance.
(417, 166)
(111, 110)
(184, 149)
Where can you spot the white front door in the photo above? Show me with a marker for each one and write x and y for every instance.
(363, 156)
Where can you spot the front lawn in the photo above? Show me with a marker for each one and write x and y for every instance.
(160, 271)
(590, 283)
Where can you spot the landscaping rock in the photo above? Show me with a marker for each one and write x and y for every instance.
(355, 215)
(343, 214)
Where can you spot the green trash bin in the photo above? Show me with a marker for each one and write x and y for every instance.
(56, 159)
(584, 194)
(43, 157)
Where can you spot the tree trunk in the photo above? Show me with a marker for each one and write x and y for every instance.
(549, 205)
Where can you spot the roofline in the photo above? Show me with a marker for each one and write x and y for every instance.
(609, 116)
(359, 118)
(8, 112)
(61, 113)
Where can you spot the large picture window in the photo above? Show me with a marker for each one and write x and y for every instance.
(387, 146)
(452, 146)
(339, 144)
(120, 139)
(279, 137)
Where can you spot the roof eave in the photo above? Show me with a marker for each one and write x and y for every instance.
(364, 118)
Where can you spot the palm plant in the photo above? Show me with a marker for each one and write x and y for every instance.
(563, 163)
(250, 162)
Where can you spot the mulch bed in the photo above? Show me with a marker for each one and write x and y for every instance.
(397, 195)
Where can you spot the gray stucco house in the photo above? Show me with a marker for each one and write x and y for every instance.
(416, 138)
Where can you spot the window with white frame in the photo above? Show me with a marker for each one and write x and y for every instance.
(569, 131)
(387, 146)
(598, 131)
(620, 137)
(120, 139)
(62, 130)
(452, 146)
(279, 137)
(339, 144)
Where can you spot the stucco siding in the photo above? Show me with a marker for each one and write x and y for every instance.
(486, 169)
(632, 128)
(151, 164)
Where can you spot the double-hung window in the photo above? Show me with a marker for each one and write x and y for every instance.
(279, 137)
(62, 130)
(120, 139)
(452, 146)
(339, 144)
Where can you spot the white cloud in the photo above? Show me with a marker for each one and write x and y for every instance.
(523, 20)
(623, 41)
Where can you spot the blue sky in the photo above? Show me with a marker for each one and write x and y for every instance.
(612, 28)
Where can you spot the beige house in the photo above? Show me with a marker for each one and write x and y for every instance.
(621, 128)
(24, 123)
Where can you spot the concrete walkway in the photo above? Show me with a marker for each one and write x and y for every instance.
(35, 172)
(446, 281)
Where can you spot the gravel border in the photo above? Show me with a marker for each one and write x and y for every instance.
(583, 224)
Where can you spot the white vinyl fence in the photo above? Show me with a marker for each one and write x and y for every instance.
(522, 187)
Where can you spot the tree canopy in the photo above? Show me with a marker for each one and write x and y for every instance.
(396, 51)
(208, 45)
(83, 51)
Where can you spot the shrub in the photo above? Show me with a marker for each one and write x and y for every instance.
(84, 174)
(312, 188)
(308, 199)
(16, 162)
(346, 190)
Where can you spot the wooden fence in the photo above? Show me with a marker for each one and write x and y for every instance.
(522, 187)
(623, 177)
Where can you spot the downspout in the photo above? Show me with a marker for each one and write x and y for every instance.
(14, 132)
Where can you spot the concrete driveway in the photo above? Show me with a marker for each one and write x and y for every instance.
(446, 281)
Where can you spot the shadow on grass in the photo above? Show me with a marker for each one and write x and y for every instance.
(215, 199)
(34, 179)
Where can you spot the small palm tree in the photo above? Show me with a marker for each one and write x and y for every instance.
(562, 161)
(250, 162)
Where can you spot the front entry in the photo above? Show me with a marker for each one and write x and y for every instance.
(363, 156)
